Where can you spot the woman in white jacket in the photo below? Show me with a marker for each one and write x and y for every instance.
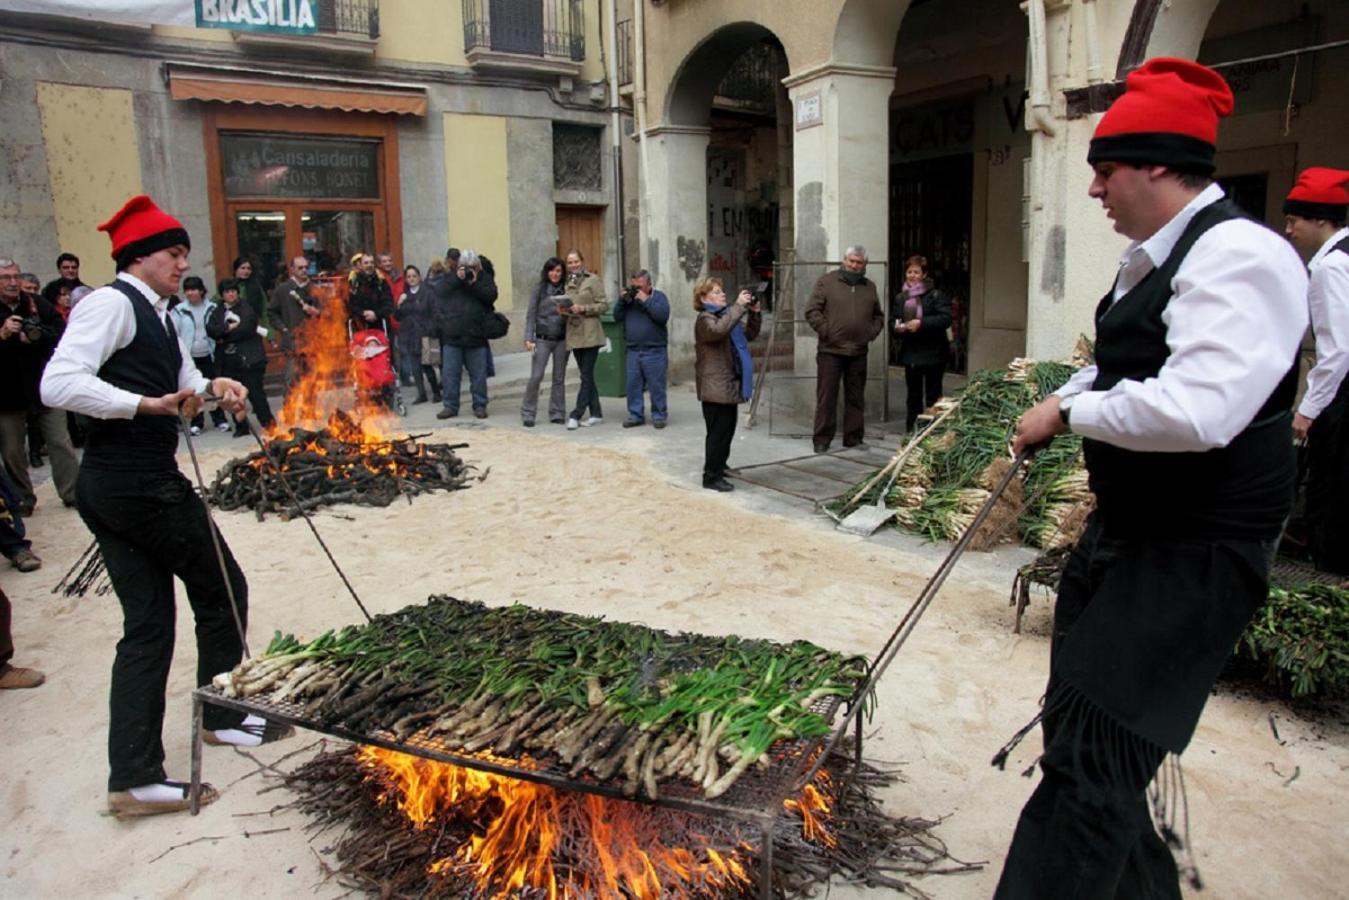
(189, 320)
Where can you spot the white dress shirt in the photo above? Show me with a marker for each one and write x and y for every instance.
(1233, 325)
(1328, 299)
(99, 326)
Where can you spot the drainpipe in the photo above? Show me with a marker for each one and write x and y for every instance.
(616, 130)
(1094, 71)
(1037, 48)
(639, 104)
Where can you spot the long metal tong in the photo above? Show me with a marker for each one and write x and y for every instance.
(914, 613)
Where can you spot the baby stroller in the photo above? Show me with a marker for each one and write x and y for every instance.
(375, 378)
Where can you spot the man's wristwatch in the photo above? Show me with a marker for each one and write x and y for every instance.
(1065, 407)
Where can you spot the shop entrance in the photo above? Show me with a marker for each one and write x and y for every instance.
(271, 234)
(930, 203)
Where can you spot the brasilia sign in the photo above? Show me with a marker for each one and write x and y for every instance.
(276, 16)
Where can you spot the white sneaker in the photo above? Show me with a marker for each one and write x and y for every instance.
(223, 426)
(593, 420)
(572, 424)
(195, 430)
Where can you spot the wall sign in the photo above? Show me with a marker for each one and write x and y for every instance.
(264, 165)
(809, 110)
(275, 16)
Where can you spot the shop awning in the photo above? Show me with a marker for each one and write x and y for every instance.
(278, 89)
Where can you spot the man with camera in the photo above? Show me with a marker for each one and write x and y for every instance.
(28, 334)
(461, 302)
(292, 304)
(644, 312)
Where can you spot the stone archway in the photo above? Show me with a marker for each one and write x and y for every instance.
(1160, 28)
(675, 163)
(866, 31)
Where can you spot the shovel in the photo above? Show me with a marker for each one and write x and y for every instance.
(866, 519)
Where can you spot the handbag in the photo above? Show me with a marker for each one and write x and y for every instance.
(495, 325)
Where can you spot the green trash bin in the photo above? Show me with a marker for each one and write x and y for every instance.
(611, 369)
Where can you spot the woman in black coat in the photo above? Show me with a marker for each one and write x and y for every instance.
(239, 353)
(920, 315)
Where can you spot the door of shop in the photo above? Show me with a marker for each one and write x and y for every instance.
(328, 235)
(581, 228)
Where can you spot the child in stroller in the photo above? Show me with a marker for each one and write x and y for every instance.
(376, 381)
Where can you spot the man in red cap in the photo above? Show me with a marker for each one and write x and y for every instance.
(121, 363)
(1314, 216)
(1188, 442)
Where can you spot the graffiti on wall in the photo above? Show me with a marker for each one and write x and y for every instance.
(738, 218)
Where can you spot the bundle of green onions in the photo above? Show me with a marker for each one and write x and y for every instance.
(944, 481)
(603, 698)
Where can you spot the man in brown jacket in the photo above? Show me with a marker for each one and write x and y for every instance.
(845, 311)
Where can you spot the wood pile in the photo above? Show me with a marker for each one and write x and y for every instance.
(336, 465)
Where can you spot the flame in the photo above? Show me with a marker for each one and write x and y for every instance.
(814, 806)
(329, 384)
(571, 845)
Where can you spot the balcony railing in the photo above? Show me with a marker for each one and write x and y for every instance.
(542, 28)
(349, 17)
(625, 51)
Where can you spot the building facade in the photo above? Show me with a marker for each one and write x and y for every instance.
(954, 129)
(751, 139)
(405, 126)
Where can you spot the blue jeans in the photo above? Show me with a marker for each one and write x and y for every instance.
(453, 360)
(646, 370)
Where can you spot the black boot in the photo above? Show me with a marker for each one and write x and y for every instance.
(435, 383)
(421, 387)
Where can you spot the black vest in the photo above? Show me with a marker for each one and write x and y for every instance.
(148, 366)
(1243, 490)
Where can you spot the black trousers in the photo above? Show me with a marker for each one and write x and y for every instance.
(1327, 490)
(252, 378)
(588, 397)
(720, 420)
(1148, 623)
(6, 636)
(150, 527)
(923, 384)
(830, 370)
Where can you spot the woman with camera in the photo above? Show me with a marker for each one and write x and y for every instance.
(582, 307)
(724, 372)
(233, 325)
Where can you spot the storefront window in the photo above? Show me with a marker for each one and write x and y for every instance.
(261, 239)
(331, 237)
(265, 165)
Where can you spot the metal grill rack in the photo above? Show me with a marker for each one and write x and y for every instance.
(756, 798)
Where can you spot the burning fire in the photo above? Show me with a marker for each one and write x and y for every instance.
(528, 836)
(328, 382)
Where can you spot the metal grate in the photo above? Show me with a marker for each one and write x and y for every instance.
(756, 796)
(1289, 573)
(349, 17)
(576, 158)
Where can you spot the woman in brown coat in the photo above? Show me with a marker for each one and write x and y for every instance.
(584, 305)
(725, 375)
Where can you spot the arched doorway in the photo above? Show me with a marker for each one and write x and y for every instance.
(718, 170)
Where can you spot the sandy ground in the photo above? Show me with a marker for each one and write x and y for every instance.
(598, 531)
